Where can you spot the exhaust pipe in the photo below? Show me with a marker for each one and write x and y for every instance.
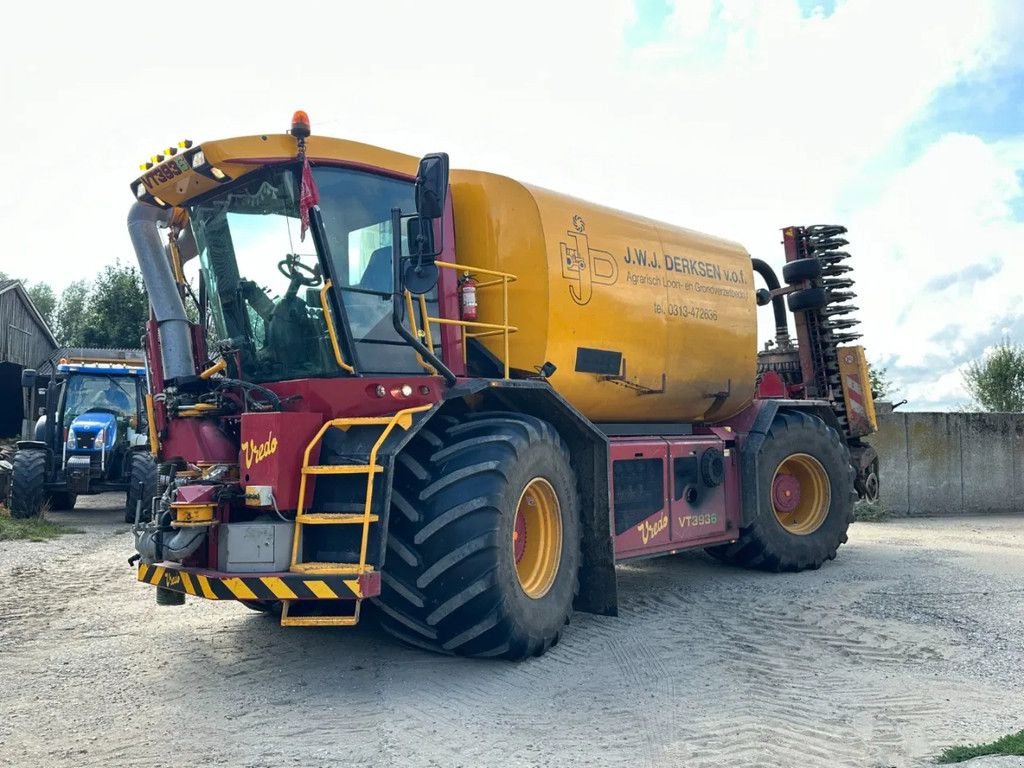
(172, 323)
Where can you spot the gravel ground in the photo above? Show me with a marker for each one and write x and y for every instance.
(909, 642)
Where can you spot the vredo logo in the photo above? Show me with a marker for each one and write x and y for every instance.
(254, 452)
(584, 266)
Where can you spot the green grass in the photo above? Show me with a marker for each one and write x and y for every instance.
(870, 512)
(31, 528)
(1008, 745)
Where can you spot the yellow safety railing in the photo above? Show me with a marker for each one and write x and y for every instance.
(329, 321)
(504, 329)
(403, 419)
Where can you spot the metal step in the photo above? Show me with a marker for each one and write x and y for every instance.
(331, 569)
(287, 620)
(342, 469)
(335, 518)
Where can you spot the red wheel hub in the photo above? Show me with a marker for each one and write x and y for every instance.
(519, 537)
(786, 493)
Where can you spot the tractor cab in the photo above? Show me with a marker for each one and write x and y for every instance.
(100, 408)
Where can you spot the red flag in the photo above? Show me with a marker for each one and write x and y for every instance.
(309, 196)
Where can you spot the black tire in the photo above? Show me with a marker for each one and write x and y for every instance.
(63, 501)
(807, 299)
(800, 270)
(766, 544)
(28, 483)
(142, 481)
(868, 486)
(450, 583)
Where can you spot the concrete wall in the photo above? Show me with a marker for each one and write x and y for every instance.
(951, 463)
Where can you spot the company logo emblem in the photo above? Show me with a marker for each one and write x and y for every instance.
(584, 266)
(254, 452)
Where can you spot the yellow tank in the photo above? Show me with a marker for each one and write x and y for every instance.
(644, 321)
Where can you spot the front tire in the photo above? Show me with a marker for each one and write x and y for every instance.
(805, 481)
(28, 481)
(484, 539)
(142, 481)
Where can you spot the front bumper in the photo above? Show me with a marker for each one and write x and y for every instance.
(215, 585)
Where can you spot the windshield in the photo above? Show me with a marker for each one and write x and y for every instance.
(264, 283)
(112, 394)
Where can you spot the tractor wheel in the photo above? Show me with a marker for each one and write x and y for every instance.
(484, 539)
(142, 481)
(800, 270)
(806, 484)
(807, 299)
(28, 481)
(63, 501)
(868, 486)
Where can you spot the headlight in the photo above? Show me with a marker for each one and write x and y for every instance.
(71, 438)
(101, 437)
(198, 159)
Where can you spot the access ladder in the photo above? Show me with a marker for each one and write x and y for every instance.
(371, 469)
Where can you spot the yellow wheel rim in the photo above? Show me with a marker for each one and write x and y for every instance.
(537, 538)
(801, 494)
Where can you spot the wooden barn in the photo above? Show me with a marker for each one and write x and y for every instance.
(25, 341)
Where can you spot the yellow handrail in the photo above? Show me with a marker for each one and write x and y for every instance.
(417, 333)
(329, 321)
(486, 329)
(154, 440)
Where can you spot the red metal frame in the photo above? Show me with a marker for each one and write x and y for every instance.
(713, 519)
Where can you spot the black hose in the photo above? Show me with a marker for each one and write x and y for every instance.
(778, 305)
(248, 386)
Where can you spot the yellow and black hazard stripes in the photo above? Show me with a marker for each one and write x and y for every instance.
(282, 587)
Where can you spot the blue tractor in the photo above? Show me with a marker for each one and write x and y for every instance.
(92, 438)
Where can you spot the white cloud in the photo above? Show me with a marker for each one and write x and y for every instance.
(939, 257)
(743, 117)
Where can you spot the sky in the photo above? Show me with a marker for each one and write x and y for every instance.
(902, 120)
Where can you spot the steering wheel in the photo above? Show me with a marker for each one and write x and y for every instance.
(297, 272)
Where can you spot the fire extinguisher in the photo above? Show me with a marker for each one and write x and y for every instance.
(467, 297)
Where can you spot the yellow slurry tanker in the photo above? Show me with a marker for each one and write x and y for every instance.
(464, 398)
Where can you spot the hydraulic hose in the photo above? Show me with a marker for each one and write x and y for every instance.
(778, 305)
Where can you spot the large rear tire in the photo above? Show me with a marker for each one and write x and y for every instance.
(484, 539)
(28, 483)
(805, 480)
(142, 482)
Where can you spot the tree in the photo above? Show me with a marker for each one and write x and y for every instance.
(881, 384)
(44, 299)
(996, 381)
(71, 314)
(117, 308)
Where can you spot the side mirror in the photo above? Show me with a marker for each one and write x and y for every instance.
(419, 233)
(28, 378)
(432, 185)
(420, 273)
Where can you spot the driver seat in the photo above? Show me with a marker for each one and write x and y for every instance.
(292, 333)
(378, 275)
